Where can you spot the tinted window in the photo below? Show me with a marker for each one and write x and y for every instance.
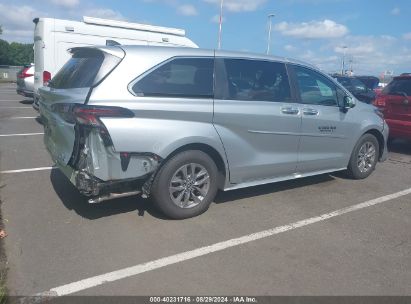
(84, 69)
(358, 85)
(371, 82)
(255, 80)
(315, 88)
(352, 84)
(344, 81)
(398, 86)
(112, 43)
(181, 77)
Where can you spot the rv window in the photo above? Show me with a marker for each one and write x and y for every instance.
(112, 43)
(86, 68)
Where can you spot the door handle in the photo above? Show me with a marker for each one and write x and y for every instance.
(310, 112)
(290, 111)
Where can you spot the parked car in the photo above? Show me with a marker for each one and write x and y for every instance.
(182, 123)
(53, 38)
(371, 82)
(25, 81)
(395, 102)
(357, 88)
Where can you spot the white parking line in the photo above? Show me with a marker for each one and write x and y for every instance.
(27, 170)
(6, 107)
(8, 100)
(19, 117)
(188, 255)
(21, 134)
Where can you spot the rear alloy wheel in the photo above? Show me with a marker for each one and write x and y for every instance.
(189, 185)
(185, 185)
(364, 157)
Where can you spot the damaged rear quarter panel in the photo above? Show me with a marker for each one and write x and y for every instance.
(105, 163)
(160, 136)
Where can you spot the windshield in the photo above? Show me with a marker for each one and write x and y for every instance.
(358, 85)
(370, 81)
(352, 84)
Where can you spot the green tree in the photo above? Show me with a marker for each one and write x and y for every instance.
(15, 53)
(1, 30)
(20, 54)
(4, 52)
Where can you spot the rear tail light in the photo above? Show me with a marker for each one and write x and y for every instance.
(24, 73)
(89, 115)
(380, 101)
(46, 78)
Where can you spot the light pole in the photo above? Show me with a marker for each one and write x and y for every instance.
(343, 60)
(351, 65)
(270, 16)
(221, 25)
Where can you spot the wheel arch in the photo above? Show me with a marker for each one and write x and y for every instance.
(380, 139)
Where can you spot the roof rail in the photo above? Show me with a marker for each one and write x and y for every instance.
(134, 26)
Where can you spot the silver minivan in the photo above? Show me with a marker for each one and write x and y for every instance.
(177, 124)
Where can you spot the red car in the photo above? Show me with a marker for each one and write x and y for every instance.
(395, 102)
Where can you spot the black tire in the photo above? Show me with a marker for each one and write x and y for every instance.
(160, 190)
(354, 170)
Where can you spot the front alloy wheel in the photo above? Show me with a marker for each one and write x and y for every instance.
(366, 157)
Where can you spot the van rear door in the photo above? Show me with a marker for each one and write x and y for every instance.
(70, 87)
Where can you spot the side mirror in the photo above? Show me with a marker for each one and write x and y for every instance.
(348, 103)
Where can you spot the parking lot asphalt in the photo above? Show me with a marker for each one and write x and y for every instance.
(55, 238)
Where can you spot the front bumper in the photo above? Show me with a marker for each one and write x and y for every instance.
(24, 92)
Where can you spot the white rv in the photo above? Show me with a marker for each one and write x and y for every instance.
(53, 37)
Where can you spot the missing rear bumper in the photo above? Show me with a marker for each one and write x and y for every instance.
(98, 171)
(110, 196)
(93, 187)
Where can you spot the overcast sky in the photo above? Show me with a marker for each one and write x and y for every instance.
(377, 33)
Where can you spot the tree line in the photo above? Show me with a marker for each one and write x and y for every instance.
(15, 53)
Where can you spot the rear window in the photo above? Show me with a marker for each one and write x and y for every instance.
(181, 77)
(397, 86)
(85, 69)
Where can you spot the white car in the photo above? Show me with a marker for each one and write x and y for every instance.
(25, 81)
